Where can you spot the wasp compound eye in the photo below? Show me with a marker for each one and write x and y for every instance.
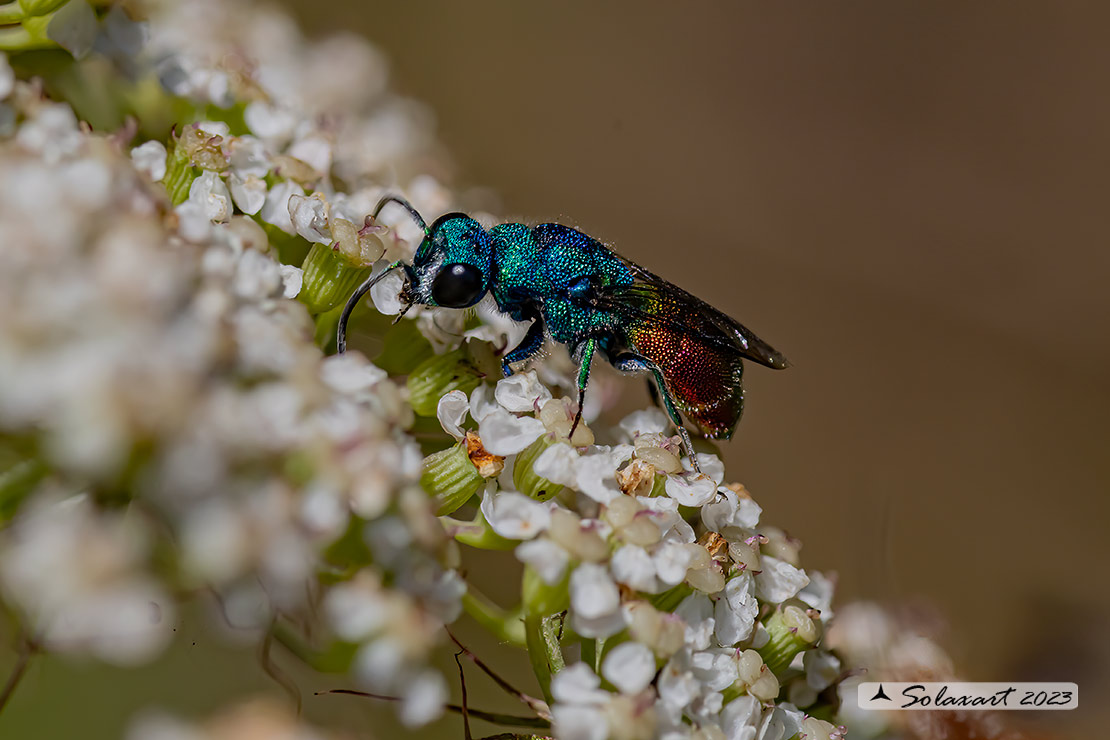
(457, 286)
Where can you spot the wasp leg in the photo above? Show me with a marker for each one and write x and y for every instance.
(630, 363)
(528, 347)
(583, 379)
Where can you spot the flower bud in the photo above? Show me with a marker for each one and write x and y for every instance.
(451, 478)
(753, 678)
(437, 375)
(791, 631)
(524, 475)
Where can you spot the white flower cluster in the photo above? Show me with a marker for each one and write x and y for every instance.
(179, 432)
(163, 391)
(616, 537)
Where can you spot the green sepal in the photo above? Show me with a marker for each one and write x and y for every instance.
(329, 278)
(524, 475)
(32, 8)
(784, 642)
(668, 600)
(450, 478)
(437, 376)
(180, 173)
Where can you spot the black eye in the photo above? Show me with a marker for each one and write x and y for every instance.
(457, 286)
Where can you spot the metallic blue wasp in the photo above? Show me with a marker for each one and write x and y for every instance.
(575, 290)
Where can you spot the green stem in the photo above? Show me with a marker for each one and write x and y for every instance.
(504, 625)
(551, 627)
(11, 13)
(18, 38)
(537, 653)
(591, 654)
(477, 533)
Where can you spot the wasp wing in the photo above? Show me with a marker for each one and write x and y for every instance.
(696, 348)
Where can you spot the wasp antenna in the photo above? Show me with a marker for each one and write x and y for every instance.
(407, 206)
(341, 333)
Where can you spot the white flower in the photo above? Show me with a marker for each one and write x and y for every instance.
(574, 722)
(7, 77)
(275, 210)
(780, 723)
(256, 276)
(672, 560)
(247, 157)
(423, 698)
(645, 421)
(696, 610)
(822, 669)
(521, 392)
(350, 374)
(313, 150)
(730, 510)
(741, 718)
(818, 593)
(386, 294)
(149, 157)
(735, 613)
(677, 684)
(504, 433)
(248, 192)
(451, 411)
(779, 580)
(356, 609)
(630, 667)
(210, 194)
(558, 463)
(548, 559)
(577, 713)
(632, 566)
(271, 123)
(595, 602)
(515, 516)
(595, 474)
(309, 217)
(691, 489)
(292, 279)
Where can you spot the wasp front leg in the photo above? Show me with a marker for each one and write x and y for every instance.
(528, 348)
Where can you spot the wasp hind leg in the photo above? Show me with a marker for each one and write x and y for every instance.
(630, 363)
(589, 348)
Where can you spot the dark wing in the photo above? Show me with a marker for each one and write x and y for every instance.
(697, 349)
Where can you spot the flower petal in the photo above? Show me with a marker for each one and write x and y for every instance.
(515, 516)
(521, 392)
(779, 580)
(504, 433)
(691, 489)
(630, 667)
(451, 410)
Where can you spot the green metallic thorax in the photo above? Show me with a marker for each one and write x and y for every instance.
(545, 271)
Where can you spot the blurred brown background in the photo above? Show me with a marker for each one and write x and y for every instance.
(908, 199)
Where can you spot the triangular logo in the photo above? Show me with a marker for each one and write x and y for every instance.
(880, 694)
